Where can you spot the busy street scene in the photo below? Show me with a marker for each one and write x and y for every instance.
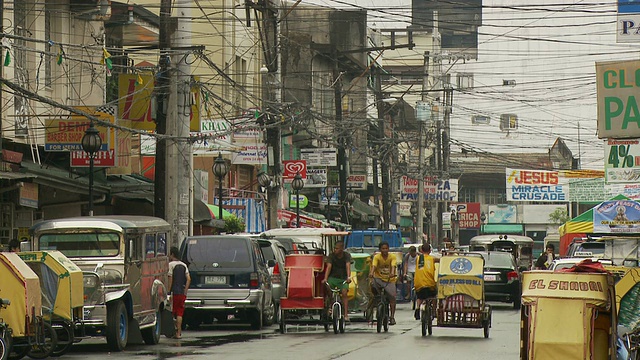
(320, 179)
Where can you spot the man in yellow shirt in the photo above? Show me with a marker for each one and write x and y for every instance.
(424, 279)
(383, 274)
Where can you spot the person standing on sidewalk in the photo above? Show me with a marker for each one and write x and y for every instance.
(180, 280)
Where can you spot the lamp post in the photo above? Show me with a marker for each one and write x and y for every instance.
(329, 192)
(351, 198)
(220, 171)
(427, 213)
(265, 181)
(91, 143)
(414, 212)
(297, 184)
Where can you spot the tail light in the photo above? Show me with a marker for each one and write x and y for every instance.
(512, 276)
(275, 277)
(253, 281)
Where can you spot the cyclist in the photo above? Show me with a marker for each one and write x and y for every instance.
(424, 280)
(409, 269)
(383, 273)
(338, 271)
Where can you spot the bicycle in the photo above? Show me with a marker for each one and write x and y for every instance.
(632, 344)
(427, 314)
(5, 333)
(383, 310)
(337, 316)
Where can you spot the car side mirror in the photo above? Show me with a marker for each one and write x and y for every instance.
(271, 263)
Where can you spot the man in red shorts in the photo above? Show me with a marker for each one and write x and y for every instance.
(179, 279)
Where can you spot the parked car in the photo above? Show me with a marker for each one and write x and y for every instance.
(586, 249)
(565, 263)
(502, 278)
(292, 246)
(274, 253)
(229, 280)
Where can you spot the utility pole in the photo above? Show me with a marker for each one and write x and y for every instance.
(421, 165)
(437, 73)
(162, 97)
(383, 151)
(342, 157)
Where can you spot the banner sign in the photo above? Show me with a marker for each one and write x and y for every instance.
(565, 285)
(319, 157)
(468, 215)
(622, 161)
(250, 155)
(100, 159)
(535, 185)
(617, 103)
(292, 167)
(316, 178)
(335, 199)
(617, 216)
(300, 199)
(502, 214)
(66, 134)
(357, 181)
(443, 190)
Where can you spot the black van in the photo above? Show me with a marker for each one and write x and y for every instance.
(229, 280)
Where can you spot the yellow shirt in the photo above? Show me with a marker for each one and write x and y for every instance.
(384, 266)
(425, 273)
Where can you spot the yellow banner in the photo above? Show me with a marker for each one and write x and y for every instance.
(461, 265)
(457, 284)
(565, 285)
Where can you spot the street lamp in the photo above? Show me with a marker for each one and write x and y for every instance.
(91, 143)
(297, 184)
(414, 212)
(220, 171)
(264, 179)
(329, 192)
(351, 197)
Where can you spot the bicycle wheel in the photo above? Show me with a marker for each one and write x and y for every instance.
(335, 313)
(385, 323)
(429, 317)
(45, 343)
(379, 316)
(64, 331)
(423, 320)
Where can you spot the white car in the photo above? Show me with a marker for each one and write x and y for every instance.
(566, 263)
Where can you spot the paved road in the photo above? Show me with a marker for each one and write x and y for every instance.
(360, 341)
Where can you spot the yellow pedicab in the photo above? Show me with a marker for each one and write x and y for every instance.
(61, 282)
(568, 315)
(30, 332)
(460, 301)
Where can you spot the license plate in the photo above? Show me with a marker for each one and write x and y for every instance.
(215, 280)
(490, 278)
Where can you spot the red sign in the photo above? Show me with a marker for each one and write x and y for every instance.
(102, 158)
(292, 167)
(468, 215)
(290, 218)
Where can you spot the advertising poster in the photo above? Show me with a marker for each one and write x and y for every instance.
(536, 185)
(617, 216)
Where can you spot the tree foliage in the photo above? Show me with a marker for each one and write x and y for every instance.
(559, 216)
(233, 224)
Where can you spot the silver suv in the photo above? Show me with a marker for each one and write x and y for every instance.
(274, 253)
(229, 280)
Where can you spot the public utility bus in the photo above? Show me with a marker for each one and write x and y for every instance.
(125, 270)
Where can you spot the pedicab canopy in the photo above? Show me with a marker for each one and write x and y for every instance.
(22, 287)
(61, 280)
(461, 275)
(569, 301)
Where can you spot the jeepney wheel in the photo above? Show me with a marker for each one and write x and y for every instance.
(151, 335)
(44, 344)
(64, 332)
(117, 326)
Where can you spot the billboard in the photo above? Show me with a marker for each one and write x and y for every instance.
(622, 161)
(535, 185)
(616, 83)
(442, 190)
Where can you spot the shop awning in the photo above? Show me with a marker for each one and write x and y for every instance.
(502, 229)
(203, 212)
(364, 210)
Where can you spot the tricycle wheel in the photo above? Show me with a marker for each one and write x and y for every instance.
(4, 349)
(64, 331)
(117, 326)
(18, 351)
(151, 335)
(45, 343)
(486, 329)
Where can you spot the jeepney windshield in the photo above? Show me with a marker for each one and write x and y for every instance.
(82, 244)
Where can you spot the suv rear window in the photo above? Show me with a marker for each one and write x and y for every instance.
(498, 260)
(226, 252)
(267, 251)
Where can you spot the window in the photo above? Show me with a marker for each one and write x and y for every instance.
(80, 245)
(162, 244)
(150, 245)
(508, 122)
(495, 196)
(464, 81)
(227, 252)
(467, 195)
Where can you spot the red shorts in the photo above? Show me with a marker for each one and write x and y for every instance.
(178, 304)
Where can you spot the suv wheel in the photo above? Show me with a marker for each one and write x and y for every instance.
(269, 314)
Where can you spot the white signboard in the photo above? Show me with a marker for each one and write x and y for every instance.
(622, 161)
(316, 178)
(404, 208)
(250, 155)
(215, 130)
(357, 181)
(628, 26)
(319, 157)
(246, 128)
(535, 185)
(443, 190)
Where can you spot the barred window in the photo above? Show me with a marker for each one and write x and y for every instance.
(495, 196)
(467, 195)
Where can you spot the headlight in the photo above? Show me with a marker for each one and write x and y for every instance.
(90, 281)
